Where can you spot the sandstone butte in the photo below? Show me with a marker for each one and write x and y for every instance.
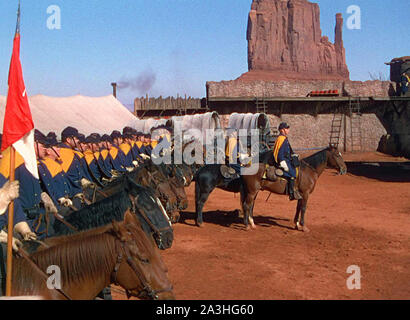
(285, 42)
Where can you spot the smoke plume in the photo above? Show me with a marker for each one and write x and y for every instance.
(141, 84)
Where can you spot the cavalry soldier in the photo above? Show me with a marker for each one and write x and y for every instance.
(10, 191)
(76, 174)
(140, 145)
(147, 144)
(405, 83)
(105, 146)
(234, 157)
(89, 156)
(282, 152)
(115, 157)
(96, 148)
(126, 149)
(129, 135)
(51, 174)
(161, 140)
(27, 206)
(117, 153)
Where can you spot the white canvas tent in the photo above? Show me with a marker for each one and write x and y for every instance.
(87, 114)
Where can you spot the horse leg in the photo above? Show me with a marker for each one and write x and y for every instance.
(296, 219)
(251, 213)
(302, 216)
(247, 211)
(200, 199)
(302, 226)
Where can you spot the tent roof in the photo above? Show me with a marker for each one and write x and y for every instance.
(87, 114)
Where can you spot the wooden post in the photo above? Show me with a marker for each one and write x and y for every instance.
(10, 228)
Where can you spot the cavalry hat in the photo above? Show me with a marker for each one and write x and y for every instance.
(116, 134)
(106, 137)
(91, 139)
(69, 132)
(96, 136)
(81, 138)
(283, 125)
(127, 130)
(52, 138)
(127, 135)
(41, 138)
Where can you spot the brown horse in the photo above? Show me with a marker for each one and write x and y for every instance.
(120, 253)
(310, 170)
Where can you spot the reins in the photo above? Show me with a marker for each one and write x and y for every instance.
(147, 291)
(25, 256)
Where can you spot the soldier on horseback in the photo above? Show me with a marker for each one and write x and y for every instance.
(283, 154)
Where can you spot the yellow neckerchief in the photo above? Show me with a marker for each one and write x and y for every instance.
(89, 156)
(104, 154)
(132, 143)
(113, 152)
(53, 167)
(5, 162)
(230, 147)
(278, 144)
(139, 144)
(154, 143)
(80, 154)
(97, 155)
(125, 147)
(146, 144)
(67, 157)
(408, 78)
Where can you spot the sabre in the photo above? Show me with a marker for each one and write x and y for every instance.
(270, 193)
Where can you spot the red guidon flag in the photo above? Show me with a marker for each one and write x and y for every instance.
(18, 127)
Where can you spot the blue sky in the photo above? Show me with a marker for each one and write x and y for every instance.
(177, 44)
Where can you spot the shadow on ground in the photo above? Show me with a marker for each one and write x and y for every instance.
(382, 171)
(231, 219)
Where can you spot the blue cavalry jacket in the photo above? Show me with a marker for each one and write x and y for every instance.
(283, 152)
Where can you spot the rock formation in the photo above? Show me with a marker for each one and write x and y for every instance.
(285, 42)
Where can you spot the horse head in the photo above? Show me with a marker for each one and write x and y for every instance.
(335, 160)
(139, 268)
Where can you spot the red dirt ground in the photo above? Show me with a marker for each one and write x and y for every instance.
(362, 219)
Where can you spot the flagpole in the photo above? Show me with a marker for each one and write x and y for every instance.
(10, 228)
(9, 266)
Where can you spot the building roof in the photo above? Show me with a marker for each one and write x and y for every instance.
(401, 59)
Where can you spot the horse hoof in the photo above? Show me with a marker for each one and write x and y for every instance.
(199, 225)
(298, 227)
(248, 228)
(253, 227)
(238, 213)
(305, 229)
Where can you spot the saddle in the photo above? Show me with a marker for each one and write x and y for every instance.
(228, 172)
(272, 173)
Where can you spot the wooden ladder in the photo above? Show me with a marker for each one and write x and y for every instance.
(355, 125)
(336, 129)
(261, 105)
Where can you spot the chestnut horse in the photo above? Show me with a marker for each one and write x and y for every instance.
(309, 172)
(120, 253)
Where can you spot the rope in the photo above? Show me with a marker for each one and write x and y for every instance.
(311, 149)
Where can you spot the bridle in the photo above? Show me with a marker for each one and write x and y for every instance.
(123, 249)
